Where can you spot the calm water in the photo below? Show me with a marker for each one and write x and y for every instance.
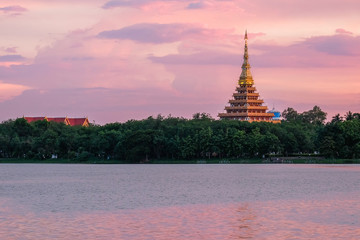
(179, 201)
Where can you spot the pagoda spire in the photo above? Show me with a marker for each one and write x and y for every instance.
(246, 77)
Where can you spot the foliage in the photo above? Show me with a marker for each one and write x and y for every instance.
(183, 140)
(314, 116)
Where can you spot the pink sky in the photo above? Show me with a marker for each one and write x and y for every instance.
(130, 59)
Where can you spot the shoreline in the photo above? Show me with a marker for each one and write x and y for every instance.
(176, 161)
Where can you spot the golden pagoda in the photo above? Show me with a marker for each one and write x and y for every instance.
(246, 105)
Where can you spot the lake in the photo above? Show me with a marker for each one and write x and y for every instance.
(55, 201)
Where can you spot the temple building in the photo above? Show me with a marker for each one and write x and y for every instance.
(67, 121)
(277, 114)
(246, 104)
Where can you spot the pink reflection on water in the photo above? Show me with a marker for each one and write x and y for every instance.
(296, 219)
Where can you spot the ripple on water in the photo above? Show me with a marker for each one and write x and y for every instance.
(333, 219)
(179, 202)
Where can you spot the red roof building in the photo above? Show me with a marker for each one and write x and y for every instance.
(34, 119)
(78, 122)
(67, 121)
(58, 120)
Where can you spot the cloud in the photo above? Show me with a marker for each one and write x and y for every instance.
(137, 3)
(175, 7)
(319, 51)
(158, 33)
(15, 8)
(282, 9)
(80, 60)
(196, 5)
(202, 58)
(11, 58)
(339, 44)
(11, 50)
(259, 8)
(343, 31)
(148, 33)
(9, 91)
(123, 3)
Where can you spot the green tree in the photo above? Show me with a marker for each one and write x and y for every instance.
(138, 145)
(187, 148)
(22, 127)
(337, 118)
(314, 116)
(235, 142)
(349, 116)
(328, 147)
(290, 114)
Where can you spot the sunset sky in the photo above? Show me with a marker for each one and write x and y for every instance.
(130, 59)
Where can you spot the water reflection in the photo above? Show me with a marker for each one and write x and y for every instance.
(335, 219)
(246, 225)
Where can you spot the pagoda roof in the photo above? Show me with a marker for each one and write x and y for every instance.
(246, 88)
(246, 101)
(246, 115)
(246, 94)
(246, 107)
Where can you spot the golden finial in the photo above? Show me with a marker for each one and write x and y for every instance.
(246, 77)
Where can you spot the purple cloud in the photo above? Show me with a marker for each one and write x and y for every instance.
(305, 9)
(340, 44)
(11, 58)
(69, 59)
(122, 3)
(11, 50)
(131, 3)
(322, 51)
(140, 3)
(196, 5)
(15, 8)
(153, 32)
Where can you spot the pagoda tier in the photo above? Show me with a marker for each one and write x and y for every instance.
(246, 104)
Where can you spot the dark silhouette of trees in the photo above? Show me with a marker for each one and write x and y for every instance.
(290, 115)
(313, 116)
(201, 137)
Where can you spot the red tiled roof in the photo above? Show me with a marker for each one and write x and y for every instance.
(78, 121)
(58, 120)
(67, 121)
(33, 119)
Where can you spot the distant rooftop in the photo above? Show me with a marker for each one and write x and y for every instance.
(67, 121)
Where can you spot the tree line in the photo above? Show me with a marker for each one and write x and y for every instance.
(179, 138)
